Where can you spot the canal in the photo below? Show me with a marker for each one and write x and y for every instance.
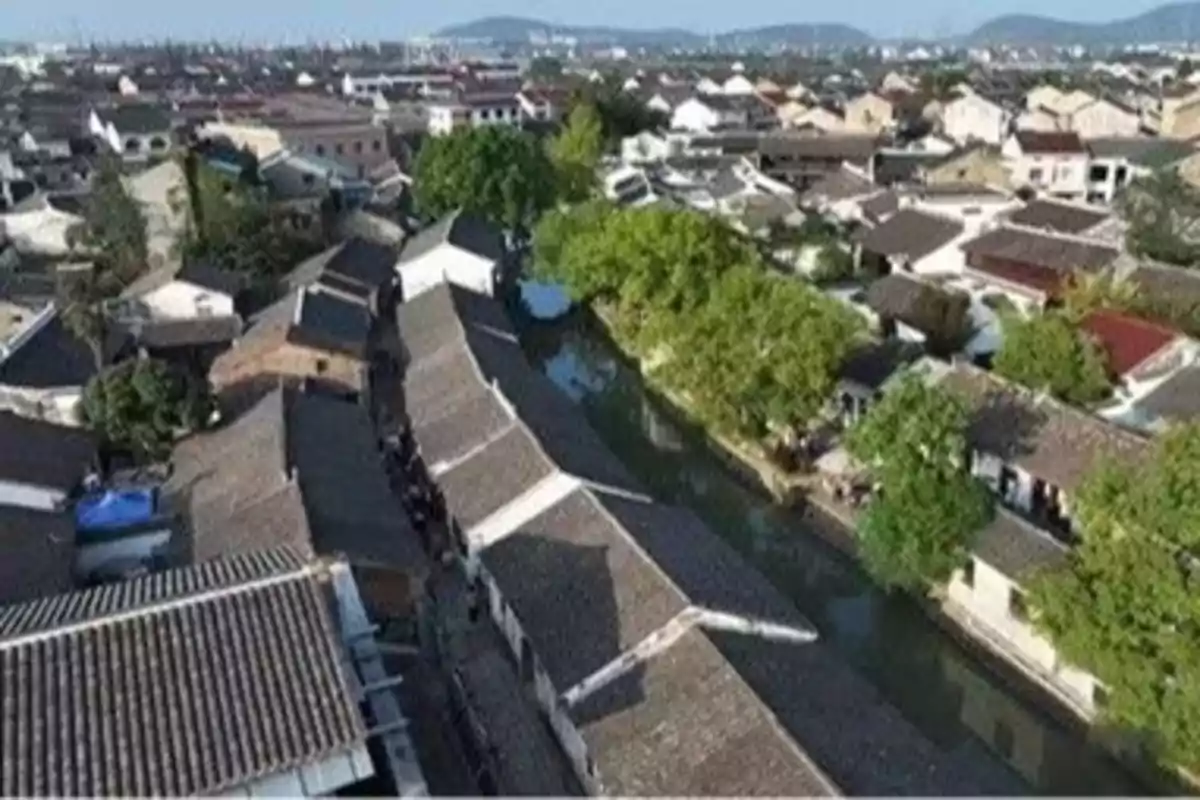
(944, 691)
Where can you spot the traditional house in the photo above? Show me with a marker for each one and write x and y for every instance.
(1033, 267)
(977, 164)
(870, 113)
(358, 269)
(839, 193)
(972, 118)
(1054, 163)
(1056, 216)
(1138, 353)
(42, 464)
(912, 241)
(803, 160)
(461, 249)
(1104, 117)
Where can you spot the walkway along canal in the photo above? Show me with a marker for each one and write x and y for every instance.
(941, 688)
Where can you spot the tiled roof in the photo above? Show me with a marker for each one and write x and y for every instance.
(168, 333)
(881, 206)
(365, 262)
(39, 553)
(840, 185)
(870, 365)
(1056, 216)
(1041, 250)
(1016, 548)
(1048, 439)
(1050, 142)
(52, 358)
(910, 234)
(1127, 341)
(152, 687)
(1177, 399)
(40, 453)
(900, 297)
(330, 322)
(1039, 280)
(460, 229)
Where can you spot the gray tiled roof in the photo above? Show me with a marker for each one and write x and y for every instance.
(1015, 548)
(1048, 439)
(167, 333)
(39, 553)
(1177, 399)
(498, 474)
(1041, 250)
(460, 229)
(840, 185)
(881, 206)
(200, 693)
(52, 357)
(329, 322)
(43, 454)
(910, 233)
(1057, 216)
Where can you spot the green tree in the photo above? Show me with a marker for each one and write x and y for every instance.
(834, 263)
(545, 68)
(555, 230)
(917, 530)
(621, 114)
(497, 172)
(141, 405)
(1163, 215)
(113, 235)
(1126, 605)
(1049, 353)
(575, 153)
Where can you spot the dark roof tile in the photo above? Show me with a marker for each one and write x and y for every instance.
(43, 454)
(910, 234)
(1053, 215)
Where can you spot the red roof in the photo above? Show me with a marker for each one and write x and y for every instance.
(1050, 142)
(1031, 276)
(1127, 341)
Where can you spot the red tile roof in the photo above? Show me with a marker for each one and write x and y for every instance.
(1127, 341)
(1050, 142)
(1030, 276)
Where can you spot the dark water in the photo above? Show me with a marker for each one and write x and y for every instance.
(936, 684)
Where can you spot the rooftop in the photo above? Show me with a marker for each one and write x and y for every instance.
(462, 230)
(1026, 247)
(37, 453)
(1127, 341)
(910, 234)
(1016, 548)
(1054, 215)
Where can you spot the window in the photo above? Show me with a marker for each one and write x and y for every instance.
(1036, 175)
(484, 114)
(320, 150)
(322, 366)
(1098, 173)
(1062, 173)
(358, 147)
(158, 143)
(1122, 176)
(972, 211)
(377, 145)
(968, 573)
(339, 149)
(1016, 605)
(308, 179)
(132, 145)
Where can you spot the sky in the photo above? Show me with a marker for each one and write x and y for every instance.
(301, 20)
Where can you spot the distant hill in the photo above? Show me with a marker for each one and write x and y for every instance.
(519, 29)
(1173, 22)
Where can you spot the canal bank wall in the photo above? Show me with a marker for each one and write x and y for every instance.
(793, 491)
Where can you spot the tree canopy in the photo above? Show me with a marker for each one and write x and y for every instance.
(496, 172)
(140, 405)
(1049, 353)
(621, 113)
(1163, 212)
(917, 530)
(575, 153)
(752, 350)
(1126, 606)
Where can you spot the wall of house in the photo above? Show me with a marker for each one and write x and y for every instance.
(1061, 175)
(183, 300)
(977, 167)
(972, 118)
(143, 145)
(25, 495)
(361, 146)
(246, 363)
(1039, 119)
(987, 600)
(260, 139)
(868, 114)
(447, 263)
(1102, 119)
(694, 115)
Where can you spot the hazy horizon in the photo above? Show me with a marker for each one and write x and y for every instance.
(127, 20)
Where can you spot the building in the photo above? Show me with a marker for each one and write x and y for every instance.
(716, 112)
(1104, 117)
(462, 249)
(193, 671)
(972, 118)
(362, 146)
(1033, 267)
(1049, 163)
(912, 241)
(357, 269)
(801, 160)
(42, 464)
(475, 110)
(667, 666)
(869, 113)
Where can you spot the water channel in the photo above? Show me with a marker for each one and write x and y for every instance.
(942, 689)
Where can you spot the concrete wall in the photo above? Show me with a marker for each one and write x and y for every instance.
(182, 300)
(448, 264)
(24, 495)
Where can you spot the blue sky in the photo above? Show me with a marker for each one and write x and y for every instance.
(257, 20)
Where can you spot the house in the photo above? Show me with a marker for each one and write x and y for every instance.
(838, 193)
(139, 130)
(1057, 216)
(942, 319)
(302, 471)
(1174, 401)
(39, 551)
(230, 627)
(647, 147)
(815, 118)
(1136, 351)
(721, 112)
(869, 113)
(35, 227)
(911, 241)
(462, 249)
(292, 176)
(42, 464)
(977, 164)
(1033, 266)
(359, 145)
(801, 160)
(162, 193)
(544, 104)
(311, 337)
(1104, 117)
(474, 110)
(739, 85)
(868, 367)
(1117, 162)
(357, 269)
(1050, 163)
(1040, 119)
(182, 290)
(660, 628)
(972, 118)
(1180, 116)
(44, 367)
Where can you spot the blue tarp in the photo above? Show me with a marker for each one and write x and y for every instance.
(113, 510)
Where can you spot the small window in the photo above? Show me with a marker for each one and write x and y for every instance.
(322, 366)
(358, 147)
(1016, 605)
(132, 145)
(968, 573)
(158, 143)
(320, 150)
(339, 148)
(972, 211)
(377, 145)
(485, 114)
(308, 179)
(1098, 173)
(1036, 175)
(204, 306)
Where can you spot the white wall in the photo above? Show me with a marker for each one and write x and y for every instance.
(448, 263)
(972, 118)
(1102, 119)
(26, 495)
(694, 115)
(183, 300)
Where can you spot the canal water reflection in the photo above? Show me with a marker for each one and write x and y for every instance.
(937, 685)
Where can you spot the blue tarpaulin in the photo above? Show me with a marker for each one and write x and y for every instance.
(113, 510)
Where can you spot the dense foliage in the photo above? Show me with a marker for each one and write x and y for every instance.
(1049, 353)
(496, 172)
(753, 351)
(113, 236)
(575, 153)
(139, 406)
(621, 113)
(917, 530)
(1163, 212)
(1095, 292)
(1127, 604)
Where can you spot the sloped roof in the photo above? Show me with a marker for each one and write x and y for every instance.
(460, 229)
(911, 234)
(40, 453)
(1041, 250)
(1126, 341)
(1058, 216)
(1176, 399)
(200, 691)
(39, 553)
(1050, 142)
(1016, 548)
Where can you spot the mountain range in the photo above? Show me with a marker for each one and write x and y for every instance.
(1166, 23)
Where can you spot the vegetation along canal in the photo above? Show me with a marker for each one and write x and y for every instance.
(941, 688)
